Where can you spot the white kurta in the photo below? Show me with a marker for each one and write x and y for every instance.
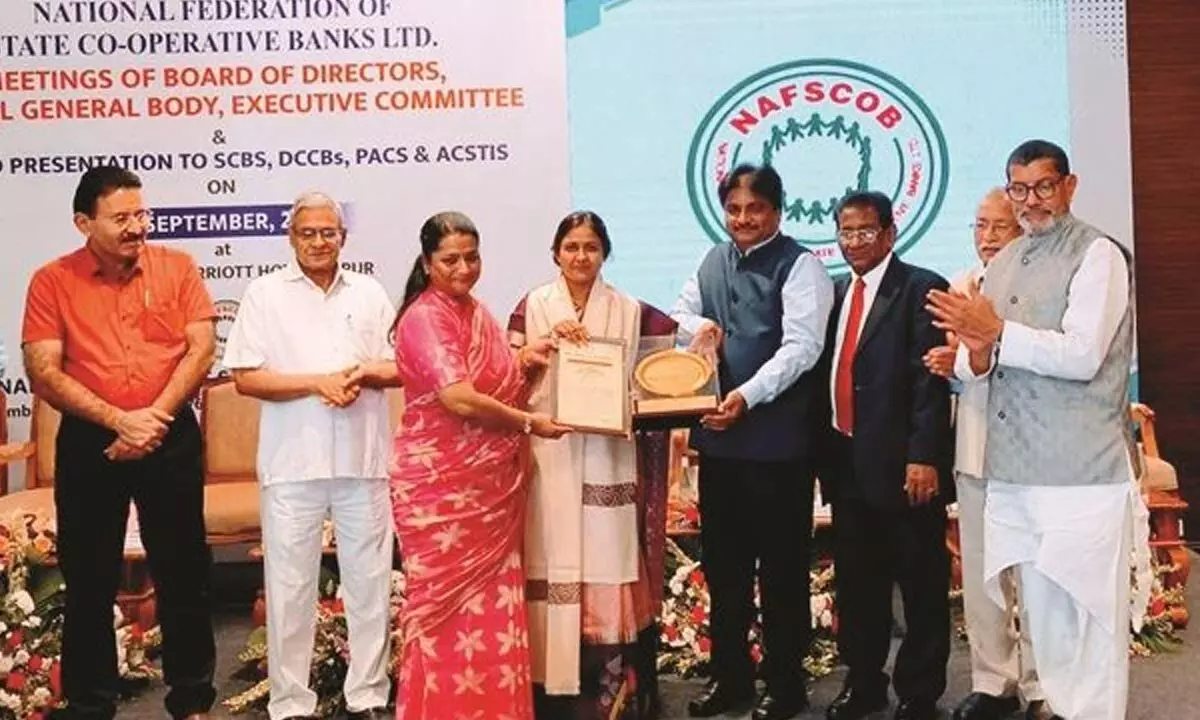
(1070, 545)
(317, 462)
(1002, 662)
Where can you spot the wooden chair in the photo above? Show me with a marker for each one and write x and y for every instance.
(229, 422)
(1160, 486)
(38, 495)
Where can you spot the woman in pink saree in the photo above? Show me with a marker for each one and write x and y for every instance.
(459, 489)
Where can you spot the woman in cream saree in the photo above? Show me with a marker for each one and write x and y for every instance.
(595, 521)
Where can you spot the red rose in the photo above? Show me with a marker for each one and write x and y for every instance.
(671, 632)
(756, 653)
(15, 682)
(56, 679)
(698, 614)
(35, 663)
(705, 645)
(1157, 606)
(696, 578)
(15, 640)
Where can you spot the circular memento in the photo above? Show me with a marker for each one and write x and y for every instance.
(673, 373)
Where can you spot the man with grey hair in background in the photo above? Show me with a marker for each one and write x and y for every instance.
(311, 341)
(1002, 668)
(1052, 331)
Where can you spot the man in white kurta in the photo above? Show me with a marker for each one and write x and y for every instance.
(311, 341)
(1002, 669)
(1052, 333)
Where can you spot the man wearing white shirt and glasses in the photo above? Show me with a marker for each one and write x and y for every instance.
(1052, 332)
(1002, 669)
(311, 341)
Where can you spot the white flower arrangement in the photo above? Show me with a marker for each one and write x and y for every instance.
(31, 618)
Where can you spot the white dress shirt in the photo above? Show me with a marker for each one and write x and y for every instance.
(288, 324)
(807, 294)
(871, 283)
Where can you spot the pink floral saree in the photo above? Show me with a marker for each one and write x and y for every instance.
(458, 497)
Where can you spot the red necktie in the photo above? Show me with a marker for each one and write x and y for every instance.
(844, 387)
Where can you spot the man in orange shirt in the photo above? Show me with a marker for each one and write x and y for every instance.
(118, 335)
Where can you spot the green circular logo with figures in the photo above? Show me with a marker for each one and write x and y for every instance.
(828, 127)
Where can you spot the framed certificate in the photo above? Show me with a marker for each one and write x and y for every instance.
(590, 386)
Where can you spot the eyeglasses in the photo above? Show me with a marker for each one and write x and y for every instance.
(864, 235)
(125, 219)
(310, 234)
(1044, 189)
(983, 226)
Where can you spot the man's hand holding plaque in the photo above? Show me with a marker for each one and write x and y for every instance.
(728, 412)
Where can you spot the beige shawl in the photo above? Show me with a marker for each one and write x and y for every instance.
(581, 527)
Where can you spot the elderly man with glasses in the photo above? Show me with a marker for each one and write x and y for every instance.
(1002, 668)
(886, 468)
(311, 341)
(1052, 334)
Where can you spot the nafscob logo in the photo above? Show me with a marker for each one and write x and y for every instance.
(226, 314)
(828, 127)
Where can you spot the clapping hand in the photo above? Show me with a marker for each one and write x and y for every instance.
(969, 315)
(920, 483)
(940, 360)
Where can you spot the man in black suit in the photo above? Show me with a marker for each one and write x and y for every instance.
(888, 446)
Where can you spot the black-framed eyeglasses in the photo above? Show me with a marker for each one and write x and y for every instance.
(310, 234)
(864, 235)
(1044, 189)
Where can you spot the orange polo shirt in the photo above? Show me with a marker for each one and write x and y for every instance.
(121, 339)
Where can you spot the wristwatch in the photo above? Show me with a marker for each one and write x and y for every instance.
(528, 427)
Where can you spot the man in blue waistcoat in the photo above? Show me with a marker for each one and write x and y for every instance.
(763, 301)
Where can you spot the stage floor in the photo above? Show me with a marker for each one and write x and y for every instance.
(1163, 686)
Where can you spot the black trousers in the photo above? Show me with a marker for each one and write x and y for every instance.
(750, 512)
(91, 498)
(874, 550)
